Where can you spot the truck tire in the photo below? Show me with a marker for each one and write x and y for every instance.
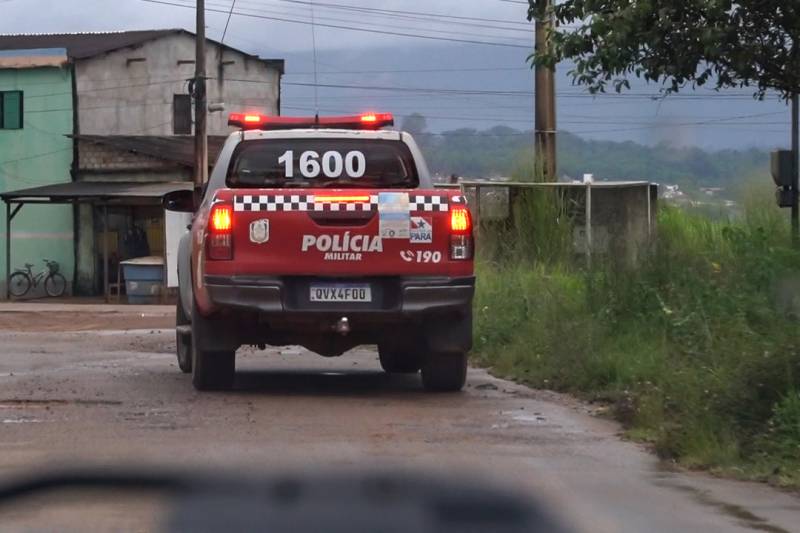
(444, 372)
(396, 361)
(211, 369)
(183, 342)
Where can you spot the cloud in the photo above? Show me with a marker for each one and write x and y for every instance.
(248, 32)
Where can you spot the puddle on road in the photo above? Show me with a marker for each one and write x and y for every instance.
(21, 420)
(161, 419)
(16, 403)
(531, 419)
(737, 512)
(525, 417)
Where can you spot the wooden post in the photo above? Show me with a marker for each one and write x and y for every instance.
(105, 253)
(545, 95)
(200, 105)
(795, 169)
(589, 239)
(8, 251)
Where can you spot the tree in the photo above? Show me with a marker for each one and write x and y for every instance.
(746, 43)
(414, 124)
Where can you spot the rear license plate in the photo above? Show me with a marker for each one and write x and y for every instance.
(340, 293)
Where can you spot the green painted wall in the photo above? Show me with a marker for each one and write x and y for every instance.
(38, 154)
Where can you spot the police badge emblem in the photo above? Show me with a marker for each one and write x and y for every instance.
(259, 231)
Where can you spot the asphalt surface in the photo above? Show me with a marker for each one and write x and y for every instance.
(99, 385)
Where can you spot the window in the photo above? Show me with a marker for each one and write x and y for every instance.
(182, 114)
(333, 162)
(11, 110)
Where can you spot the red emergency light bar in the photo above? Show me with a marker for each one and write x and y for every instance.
(255, 121)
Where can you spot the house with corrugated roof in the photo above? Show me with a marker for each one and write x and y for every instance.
(109, 112)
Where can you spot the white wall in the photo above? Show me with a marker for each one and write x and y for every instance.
(140, 99)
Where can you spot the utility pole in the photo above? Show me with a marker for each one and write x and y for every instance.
(200, 105)
(795, 169)
(545, 94)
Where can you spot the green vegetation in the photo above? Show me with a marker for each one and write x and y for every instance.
(675, 43)
(695, 348)
(499, 150)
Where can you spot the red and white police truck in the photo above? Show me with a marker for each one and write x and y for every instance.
(325, 232)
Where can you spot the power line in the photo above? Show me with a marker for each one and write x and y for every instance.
(390, 24)
(350, 28)
(407, 12)
(314, 56)
(580, 119)
(393, 15)
(525, 93)
(98, 89)
(639, 125)
(228, 21)
(433, 18)
(411, 71)
(35, 156)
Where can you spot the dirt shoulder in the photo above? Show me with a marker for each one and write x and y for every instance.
(26, 317)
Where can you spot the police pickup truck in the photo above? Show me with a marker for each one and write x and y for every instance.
(325, 232)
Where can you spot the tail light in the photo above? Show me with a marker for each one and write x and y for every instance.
(462, 245)
(219, 243)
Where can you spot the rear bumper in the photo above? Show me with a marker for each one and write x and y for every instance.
(394, 296)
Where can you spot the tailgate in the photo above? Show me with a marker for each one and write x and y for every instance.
(341, 232)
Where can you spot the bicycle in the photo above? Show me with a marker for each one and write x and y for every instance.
(23, 279)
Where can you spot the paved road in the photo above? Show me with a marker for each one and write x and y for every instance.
(107, 396)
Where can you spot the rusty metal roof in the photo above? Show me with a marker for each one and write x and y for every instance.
(175, 148)
(89, 44)
(88, 191)
(81, 45)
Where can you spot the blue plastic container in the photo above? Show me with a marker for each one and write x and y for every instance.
(144, 279)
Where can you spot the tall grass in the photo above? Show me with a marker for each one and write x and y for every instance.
(695, 346)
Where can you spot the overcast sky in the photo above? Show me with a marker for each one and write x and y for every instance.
(276, 36)
(433, 54)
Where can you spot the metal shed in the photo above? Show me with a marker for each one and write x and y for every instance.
(100, 194)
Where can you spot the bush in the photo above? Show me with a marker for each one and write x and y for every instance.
(690, 346)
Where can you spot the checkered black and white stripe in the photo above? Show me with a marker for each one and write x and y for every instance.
(279, 202)
(427, 203)
(298, 202)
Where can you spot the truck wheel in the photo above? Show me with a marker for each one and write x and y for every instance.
(211, 369)
(183, 341)
(394, 361)
(444, 372)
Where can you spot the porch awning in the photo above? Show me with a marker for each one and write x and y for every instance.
(94, 192)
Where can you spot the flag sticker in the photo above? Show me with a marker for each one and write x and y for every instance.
(393, 213)
(421, 230)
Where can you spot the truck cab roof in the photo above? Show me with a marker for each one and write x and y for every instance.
(218, 175)
(322, 133)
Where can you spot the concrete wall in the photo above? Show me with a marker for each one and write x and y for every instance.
(130, 91)
(623, 221)
(38, 154)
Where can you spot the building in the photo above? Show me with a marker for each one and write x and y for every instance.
(108, 109)
(35, 116)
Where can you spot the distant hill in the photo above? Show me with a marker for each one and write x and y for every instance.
(500, 150)
(701, 118)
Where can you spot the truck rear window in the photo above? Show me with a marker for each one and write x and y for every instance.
(319, 163)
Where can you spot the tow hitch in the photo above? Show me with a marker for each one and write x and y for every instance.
(343, 326)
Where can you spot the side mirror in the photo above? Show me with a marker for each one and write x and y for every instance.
(180, 201)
